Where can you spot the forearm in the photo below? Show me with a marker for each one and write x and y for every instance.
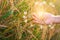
(56, 19)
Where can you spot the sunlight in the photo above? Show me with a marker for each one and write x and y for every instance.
(40, 14)
(51, 4)
(40, 10)
(42, 7)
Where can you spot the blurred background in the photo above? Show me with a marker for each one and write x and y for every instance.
(16, 20)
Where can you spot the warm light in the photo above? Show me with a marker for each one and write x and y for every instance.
(40, 9)
(51, 4)
(36, 3)
(40, 3)
(40, 14)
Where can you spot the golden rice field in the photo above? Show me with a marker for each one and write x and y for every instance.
(16, 20)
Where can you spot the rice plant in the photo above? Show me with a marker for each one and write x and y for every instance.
(16, 21)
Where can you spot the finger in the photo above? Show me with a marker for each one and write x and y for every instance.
(36, 21)
(36, 16)
(39, 22)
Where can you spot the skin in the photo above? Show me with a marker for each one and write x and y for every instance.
(57, 19)
(47, 19)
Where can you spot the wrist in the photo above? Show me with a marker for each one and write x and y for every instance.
(54, 17)
(57, 19)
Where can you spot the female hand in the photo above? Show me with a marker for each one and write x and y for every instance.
(47, 18)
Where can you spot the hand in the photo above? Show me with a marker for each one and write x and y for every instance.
(47, 18)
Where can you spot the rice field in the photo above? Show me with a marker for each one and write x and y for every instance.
(16, 21)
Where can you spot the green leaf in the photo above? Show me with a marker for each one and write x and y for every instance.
(7, 14)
